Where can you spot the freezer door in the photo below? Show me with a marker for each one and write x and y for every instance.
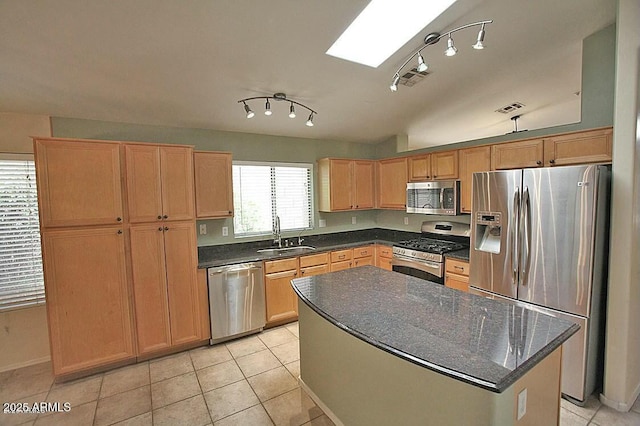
(557, 237)
(494, 225)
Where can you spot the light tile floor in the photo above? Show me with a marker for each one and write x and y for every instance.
(250, 381)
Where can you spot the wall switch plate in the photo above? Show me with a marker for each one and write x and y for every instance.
(406, 220)
(203, 229)
(353, 220)
(322, 223)
(225, 231)
(522, 403)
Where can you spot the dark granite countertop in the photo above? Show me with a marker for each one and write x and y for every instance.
(459, 254)
(226, 254)
(484, 342)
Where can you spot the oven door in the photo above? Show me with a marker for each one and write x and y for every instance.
(427, 270)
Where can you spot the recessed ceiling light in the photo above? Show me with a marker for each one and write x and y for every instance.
(383, 27)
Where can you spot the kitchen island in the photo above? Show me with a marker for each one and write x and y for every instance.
(378, 347)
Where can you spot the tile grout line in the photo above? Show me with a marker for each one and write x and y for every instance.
(201, 390)
(95, 411)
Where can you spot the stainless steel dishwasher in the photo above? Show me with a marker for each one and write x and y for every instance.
(236, 300)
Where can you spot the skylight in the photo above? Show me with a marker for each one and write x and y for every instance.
(383, 27)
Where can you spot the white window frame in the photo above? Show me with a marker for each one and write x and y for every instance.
(311, 197)
(36, 295)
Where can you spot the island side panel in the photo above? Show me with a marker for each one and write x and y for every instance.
(364, 385)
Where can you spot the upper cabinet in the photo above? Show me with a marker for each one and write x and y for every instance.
(517, 155)
(592, 146)
(434, 166)
(472, 160)
(159, 182)
(392, 183)
(345, 184)
(78, 182)
(214, 185)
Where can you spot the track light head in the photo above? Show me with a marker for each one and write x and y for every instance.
(451, 49)
(250, 113)
(479, 43)
(422, 67)
(267, 108)
(394, 84)
(292, 111)
(310, 120)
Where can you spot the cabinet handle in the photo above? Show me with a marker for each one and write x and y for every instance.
(230, 212)
(434, 176)
(301, 272)
(119, 231)
(538, 162)
(165, 217)
(160, 228)
(166, 228)
(459, 267)
(295, 274)
(159, 217)
(552, 161)
(119, 219)
(357, 206)
(342, 256)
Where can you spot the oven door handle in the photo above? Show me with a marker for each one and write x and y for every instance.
(432, 268)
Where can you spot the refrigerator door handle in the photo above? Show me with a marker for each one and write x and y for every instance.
(515, 219)
(525, 244)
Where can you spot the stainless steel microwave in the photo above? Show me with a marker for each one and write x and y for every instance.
(436, 197)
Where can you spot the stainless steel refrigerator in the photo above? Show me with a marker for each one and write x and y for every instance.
(539, 239)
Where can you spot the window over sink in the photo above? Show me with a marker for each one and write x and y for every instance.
(262, 191)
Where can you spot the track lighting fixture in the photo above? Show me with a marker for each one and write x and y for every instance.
(433, 38)
(277, 97)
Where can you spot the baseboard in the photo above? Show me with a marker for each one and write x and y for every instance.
(319, 403)
(24, 364)
(624, 406)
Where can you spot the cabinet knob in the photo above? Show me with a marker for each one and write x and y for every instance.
(160, 228)
(230, 212)
(295, 274)
(538, 162)
(119, 219)
(434, 176)
(552, 161)
(119, 231)
(165, 217)
(301, 272)
(357, 206)
(159, 217)
(166, 228)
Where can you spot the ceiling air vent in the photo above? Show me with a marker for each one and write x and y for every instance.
(412, 77)
(510, 108)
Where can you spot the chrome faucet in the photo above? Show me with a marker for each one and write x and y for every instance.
(276, 232)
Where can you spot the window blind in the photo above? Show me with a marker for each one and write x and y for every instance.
(263, 191)
(21, 278)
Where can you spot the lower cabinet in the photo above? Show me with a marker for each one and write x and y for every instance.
(363, 256)
(88, 303)
(167, 297)
(341, 259)
(456, 274)
(314, 264)
(282, 301)
(384, 255)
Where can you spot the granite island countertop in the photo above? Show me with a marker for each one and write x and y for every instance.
(484, 342)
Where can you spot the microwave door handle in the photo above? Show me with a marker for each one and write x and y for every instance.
(515, 230)
(441, 198)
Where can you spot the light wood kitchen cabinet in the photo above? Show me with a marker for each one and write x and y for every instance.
(433, 166)
(281, 300)
(79, 182)
(88, 300)
(517, 155)
(213, 184)
(346, 184)
(159, 182)
(392, 183)
(456, 274)
(166, 289)
(341, 260)
(314, 264)
(364, 255)
(203, 303)
(593, 146)
(472, 160)
(384, 255)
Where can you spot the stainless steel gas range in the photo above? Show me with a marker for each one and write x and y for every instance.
(423, 257)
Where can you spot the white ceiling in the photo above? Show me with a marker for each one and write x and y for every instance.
(187, 63)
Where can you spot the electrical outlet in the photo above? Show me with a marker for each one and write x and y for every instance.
(406, 220)
(203, 229)
(225, 231)
(322, 223)
(522, 403)
(353, 220)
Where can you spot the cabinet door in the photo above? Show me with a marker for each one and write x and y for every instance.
(362, 261)
(203, 303)
(78, 183)
(213, 184)
(340, 266)
(150, 287)
(392, 183)
(176, 165)
(363, 178)
(314, 270)
(459, 282)
(182, 285)
(472, 160)
(579, 148)
(384, 263)
(444, 165)
(420, 168)
(144, 194)
(282, 302)
(88, 302)
(517, 155)
(340, 180)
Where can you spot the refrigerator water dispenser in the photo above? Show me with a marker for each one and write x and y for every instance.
(489, 232)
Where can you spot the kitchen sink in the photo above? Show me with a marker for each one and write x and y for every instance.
(286, 250)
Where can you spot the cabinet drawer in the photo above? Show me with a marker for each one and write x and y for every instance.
(314, 270)
(459, 282)
(314, 259)
(363, 261)
(385, 251)
(341, 255)
(365, 251)
(457, 267)
(280, 265)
